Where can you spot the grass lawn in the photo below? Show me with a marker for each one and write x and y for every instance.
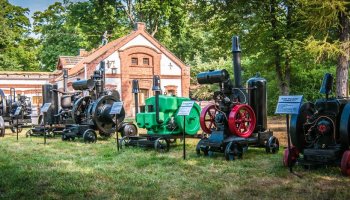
(74, 170)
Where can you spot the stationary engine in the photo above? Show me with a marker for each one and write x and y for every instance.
(160, 117)
(8, 107)
(237, 118)
(321, 131)
(159, 114)
(91, 112)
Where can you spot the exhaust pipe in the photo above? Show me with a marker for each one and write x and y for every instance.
(136, 90)
(156, 89)
(236, 55)
(65, 79)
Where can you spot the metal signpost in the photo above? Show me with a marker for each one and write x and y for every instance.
(17, 112)
(184, 111)
(289, 105)
(115, 110)
(44, 110)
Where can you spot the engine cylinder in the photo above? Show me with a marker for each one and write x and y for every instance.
(257, 100)
(83, 84)
(210, 77)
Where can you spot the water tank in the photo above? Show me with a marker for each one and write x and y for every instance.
(257, 100)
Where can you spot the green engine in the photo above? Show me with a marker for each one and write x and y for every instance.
(168, 122)
(159, 114)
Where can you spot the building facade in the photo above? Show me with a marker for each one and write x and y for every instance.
(135, 56)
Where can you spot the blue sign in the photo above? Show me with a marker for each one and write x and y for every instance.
(289, 104)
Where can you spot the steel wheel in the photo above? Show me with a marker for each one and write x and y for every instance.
(89, 136)
(101, 117)
(272, 145)
(232, 150)
(293, 157)
(207, 118)
(161, 145)
(200, 147)
(242, 120)
(345, 163)
(124, 142)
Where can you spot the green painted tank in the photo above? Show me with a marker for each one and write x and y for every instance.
(170, 123)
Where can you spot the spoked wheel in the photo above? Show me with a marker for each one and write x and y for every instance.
(207, 118)
(242, 120)
(293, 157)
(161, 145)
(232, 151)
(124, 142)
(272, 145)
(14, 129)
(29, 133)
(200, 147)
(89, 136)
(345, 163)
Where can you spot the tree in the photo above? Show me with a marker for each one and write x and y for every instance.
(56, 37)
(329, 23)
(17, 49)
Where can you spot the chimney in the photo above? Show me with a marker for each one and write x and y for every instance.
(83, 52)
(140, 26)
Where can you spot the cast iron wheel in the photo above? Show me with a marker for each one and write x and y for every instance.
(89, 136)
(233, 150)
(64, 137)
(272, 145)
(229, 155)
(207, 118)
(345, 163)
(14, 129)
(161, 145)
(29, 133)
(200, 147)
(100, 115)
(293, 157)
(242, 120)
(124, 142)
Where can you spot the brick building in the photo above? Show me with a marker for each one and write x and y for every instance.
(135, 56)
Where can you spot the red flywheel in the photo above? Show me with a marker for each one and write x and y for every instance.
(242, 120)
(207, 118)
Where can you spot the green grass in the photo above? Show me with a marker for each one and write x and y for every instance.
(74, 170)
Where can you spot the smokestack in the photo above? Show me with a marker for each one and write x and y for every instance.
(65, 79)
(156, 88)
(136, 90)
(236, 55)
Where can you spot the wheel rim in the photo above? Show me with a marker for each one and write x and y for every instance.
(242, 120)
(272, 145)
(207, 118)
(229, 153)
(345, 163)
(161, 145)
(293, 157)
(90, 136)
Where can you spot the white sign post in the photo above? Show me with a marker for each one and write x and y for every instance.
(17, 112)
(115, 110)
(184, 111)
(44, 110)
(289, 105)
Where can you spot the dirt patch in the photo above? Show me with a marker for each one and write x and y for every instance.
(278, 125)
